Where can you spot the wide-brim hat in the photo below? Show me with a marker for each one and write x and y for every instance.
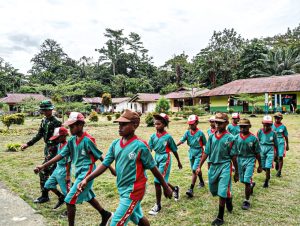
(278, 115)
(244, 122)
(221, 117)
(128, 116)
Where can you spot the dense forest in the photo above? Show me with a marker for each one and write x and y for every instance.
(124, 66)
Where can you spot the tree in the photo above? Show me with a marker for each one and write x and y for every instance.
(162, 105)
(253, 100)
(106, 99)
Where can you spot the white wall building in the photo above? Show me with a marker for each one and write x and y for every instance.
(143, 102)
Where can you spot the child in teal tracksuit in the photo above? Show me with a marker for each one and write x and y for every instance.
(219, 149)
(82, 150)
(234, 128)
(132, 157)
(212, 128)
(196, 140)
(163, 144)
(61, 174)
(247, 146)
(268, 145)
(283, 142)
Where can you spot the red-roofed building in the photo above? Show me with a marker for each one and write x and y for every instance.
(143, 102)
(280, 92)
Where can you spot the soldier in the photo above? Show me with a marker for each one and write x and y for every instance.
(46, 130)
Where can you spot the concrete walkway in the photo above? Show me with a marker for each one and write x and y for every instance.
(15, 211)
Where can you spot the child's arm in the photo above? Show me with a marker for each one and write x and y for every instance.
(259, 169)
(97, 172)
(236, 172)
(178, 159)
(111, 169)
(285, 133)
(203, 159)
(49, 163)
(183, 139)
(167, 190)
(174, 148)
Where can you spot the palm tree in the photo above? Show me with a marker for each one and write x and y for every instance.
(281, 61)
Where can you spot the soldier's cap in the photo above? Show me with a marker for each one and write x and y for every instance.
(59, 131)
(212, 119)
(192, 119)
(128, 116)
(278, 115)
(267, 119)
(221, 117)
(162, 116)
(46, 105)
(235, 115)
(244, 122)
(74, 117)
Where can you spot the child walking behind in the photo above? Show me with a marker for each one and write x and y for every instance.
(82, 150)
(219, 149)
(268, 144)
(283, 142)
(163, 143)
(196, 140)
(61, 174)
(132, 157)
(247, 146)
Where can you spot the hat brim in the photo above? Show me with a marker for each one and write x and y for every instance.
(267, 122)
(236, 117)
(158, 117)
(244, 124)
(192, 122)
(49, 108)
(54, 137)
(277, 116)
(122, 119)
(219, 120)
(70, 122)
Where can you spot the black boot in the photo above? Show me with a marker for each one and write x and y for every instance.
(44, 198)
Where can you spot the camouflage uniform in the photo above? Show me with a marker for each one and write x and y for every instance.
(46, 131)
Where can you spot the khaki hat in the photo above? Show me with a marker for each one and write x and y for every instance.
(244, 122)
(74, 117)
(128, 116)
(212, 119)
(278, 115)
(221, 117)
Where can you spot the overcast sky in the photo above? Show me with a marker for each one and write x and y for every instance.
(167, 27)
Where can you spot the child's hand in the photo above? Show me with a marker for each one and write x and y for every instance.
(236, 177)
(198, 171)
(38, 169)
(81, 185)
(24, 146)
(179, 165)
(168, 192)
(259, 169)
(287, 148)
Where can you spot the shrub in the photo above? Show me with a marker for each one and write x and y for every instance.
(117, 115)
(13, 147)
(162, 105)
(176, 119)
(17, 118)
(149, 120)
(258, 110)
(193, 110)
(94, 117)
(297, 111)
(109, 118)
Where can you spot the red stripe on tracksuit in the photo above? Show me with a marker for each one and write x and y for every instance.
(139, 186)
(228, 187)
(127, 213)
(68, 176)
(75, 196)
(167, 165)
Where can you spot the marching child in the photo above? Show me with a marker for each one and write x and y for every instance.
(163, 143)
(247, 146)
(234, 128)
(268, 141)
(219, 149)
(82, 150)
(212, 128)
(132, 157)
(283, 142)
(196, 140)
(61, 174)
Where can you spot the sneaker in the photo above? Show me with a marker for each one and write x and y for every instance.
(266, 184)
(60, 202)
(252, 187)
(217, 221)
(229, 205)
(246, 205)
(190, 193)
(106, 218)
(176, 193)
(278, 174)
(155, 209)
(201, 185)
(42, 199)
(64, 214)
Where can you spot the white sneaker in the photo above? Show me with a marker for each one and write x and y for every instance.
(176, 193)
(155, 209)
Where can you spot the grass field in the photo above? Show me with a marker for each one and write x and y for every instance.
(277, 205)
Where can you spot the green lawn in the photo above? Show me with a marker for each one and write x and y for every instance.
(278, 205)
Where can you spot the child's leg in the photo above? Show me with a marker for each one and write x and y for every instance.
(71, 214)
(266, 184)
(221, 208)
(247, 191)
(158, 193)
(144, 222)
(171, 186)
(57, 192)
(104, 214)
(280, 163)
(194, 179)
(201, 179)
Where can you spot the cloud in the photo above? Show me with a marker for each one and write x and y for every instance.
(23, 40)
